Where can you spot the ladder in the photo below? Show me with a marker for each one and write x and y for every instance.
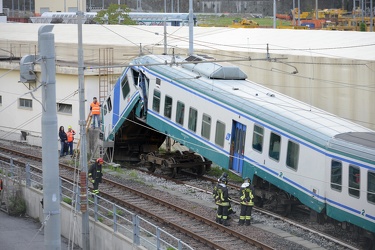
(88, 122)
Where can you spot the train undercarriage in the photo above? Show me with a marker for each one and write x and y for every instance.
(274, 199)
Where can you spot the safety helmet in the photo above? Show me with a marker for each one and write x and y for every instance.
(223, 179)
(100, 160)
(69, 126)
(247, 180)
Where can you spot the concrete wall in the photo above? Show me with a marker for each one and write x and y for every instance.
(102, 237)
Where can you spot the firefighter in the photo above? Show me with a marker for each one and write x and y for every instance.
(222, 201)
(95, 175)
(247, 203)
(230, 210)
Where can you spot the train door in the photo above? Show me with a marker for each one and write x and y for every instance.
(237, 148)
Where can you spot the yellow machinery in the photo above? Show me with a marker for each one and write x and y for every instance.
(244, 23)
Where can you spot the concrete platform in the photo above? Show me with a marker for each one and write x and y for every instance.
(19, 233)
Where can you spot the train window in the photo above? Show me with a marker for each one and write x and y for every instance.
(1, 100)
(105, 109)
(206, 126)
(292, 155)
(258, 138)
(158, 81)
(156, 101)
(180, 113)
(274, 149)
(336, 175)
(354, 181)
(109, 104)
(220, 133)
(371, 187)
(193, 114)
(168, 107)
(125, 87)
(135, 76)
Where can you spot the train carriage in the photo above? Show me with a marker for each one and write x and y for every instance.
(292, 152)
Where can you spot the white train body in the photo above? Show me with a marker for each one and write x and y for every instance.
(288, 148)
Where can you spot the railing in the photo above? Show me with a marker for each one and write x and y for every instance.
(141, 231)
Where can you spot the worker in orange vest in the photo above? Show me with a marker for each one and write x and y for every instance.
(70, 135)
(95, 112)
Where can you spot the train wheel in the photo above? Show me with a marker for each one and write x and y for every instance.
(174, 170)
(199, 170)
(279, 204)
(151, 168)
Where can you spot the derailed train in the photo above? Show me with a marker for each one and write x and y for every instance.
(293, 153)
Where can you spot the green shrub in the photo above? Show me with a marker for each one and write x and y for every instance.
(17, 206)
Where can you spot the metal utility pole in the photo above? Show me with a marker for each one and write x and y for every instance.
(50, 163)
(83, 149)
(299, 13)
(274, 14)
(191, 27)
(371, 17)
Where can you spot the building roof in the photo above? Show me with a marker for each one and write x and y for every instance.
(316, 43)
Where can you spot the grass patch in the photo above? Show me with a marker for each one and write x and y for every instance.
(217, 172)
(133, 174)
(226, 20)
(67, 200)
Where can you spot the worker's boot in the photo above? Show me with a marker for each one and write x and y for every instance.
(247, 223)
(241, 222)
(225, 223)
(218, 220)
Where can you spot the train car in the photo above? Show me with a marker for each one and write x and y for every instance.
(293, 152)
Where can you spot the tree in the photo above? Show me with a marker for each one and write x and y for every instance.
(115, 14)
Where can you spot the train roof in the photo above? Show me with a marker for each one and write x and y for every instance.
(269, 107)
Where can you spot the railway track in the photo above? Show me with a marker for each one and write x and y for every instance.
(204, 233)
(181, 220)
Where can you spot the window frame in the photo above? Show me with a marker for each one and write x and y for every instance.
(156, 99)
(22, 101)
(180, 113)
(333, 185)
(193, 120)
(168, 106)
(353, 179)
(220, 136)
(270, 150)
(288, 154)
(256, 135)
(206, 125)
(125, 87)
(58, 105)
(370, 187)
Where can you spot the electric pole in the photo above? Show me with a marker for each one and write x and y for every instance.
(50, 163)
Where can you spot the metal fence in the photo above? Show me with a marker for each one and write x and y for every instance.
(122, 221)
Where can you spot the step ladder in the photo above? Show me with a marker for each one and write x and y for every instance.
(88, 123)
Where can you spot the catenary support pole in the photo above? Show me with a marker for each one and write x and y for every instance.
(191, 27)
(83, 150)
(274, 14)
(50, 163)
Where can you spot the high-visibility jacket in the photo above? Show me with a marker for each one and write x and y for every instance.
(221, 195)
(246, 193)
(95, 108)
(70, 134)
